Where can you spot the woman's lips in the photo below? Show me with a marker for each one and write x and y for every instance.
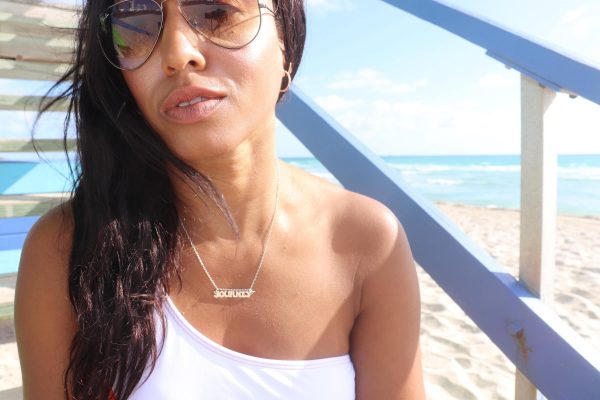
(191, 104)
(192, 113)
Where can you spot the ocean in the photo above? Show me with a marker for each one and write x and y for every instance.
(491, 181)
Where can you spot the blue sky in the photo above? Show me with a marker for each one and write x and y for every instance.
(406, 87)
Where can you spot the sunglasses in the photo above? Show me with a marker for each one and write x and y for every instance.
(130, 29)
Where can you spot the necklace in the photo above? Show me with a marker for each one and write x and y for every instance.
(220, 293)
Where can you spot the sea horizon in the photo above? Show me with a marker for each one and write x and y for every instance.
(490, 181)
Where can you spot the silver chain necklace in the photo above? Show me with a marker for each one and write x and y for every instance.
(220, 293)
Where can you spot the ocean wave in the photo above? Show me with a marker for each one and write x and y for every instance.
(579, 173)
(431, 168)
(444, 182)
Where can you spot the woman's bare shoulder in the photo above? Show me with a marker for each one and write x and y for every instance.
(44, 319)
(43, 268)
(50, 237)
(45, 255)
(354, 217)
(385, 336)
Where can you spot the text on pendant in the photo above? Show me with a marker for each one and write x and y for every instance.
(233, 293)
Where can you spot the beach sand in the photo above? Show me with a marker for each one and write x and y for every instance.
(459, 361)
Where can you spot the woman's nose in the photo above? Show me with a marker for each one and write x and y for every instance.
(179, 44)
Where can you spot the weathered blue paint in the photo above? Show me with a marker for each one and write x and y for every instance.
(18, 178)
(557, 361)
(540, 63)
(12, 236)
(12, 241)
(10, 226)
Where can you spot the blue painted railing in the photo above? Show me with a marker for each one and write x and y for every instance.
(549, 353)
(12, 236)
(30, 177)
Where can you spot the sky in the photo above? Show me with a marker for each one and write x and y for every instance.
(406, 87)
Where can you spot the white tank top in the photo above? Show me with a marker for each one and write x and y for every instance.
(192, 366)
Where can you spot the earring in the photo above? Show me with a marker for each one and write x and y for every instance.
(288, 75)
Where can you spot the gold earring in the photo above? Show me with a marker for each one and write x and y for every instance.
(289, 79)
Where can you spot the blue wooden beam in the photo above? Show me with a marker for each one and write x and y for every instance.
(12, 242)
(13, 232)
(12, 236)
(10, 226)
(540, 63)
(34, 177)
(544, 348)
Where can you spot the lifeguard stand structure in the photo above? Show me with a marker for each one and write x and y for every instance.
(35, 43)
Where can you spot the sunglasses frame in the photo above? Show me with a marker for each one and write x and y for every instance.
(106, 12)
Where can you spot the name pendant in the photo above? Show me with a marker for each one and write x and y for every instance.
(233, 293)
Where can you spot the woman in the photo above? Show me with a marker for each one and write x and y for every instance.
(190, 263)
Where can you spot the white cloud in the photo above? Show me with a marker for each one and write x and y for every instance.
(498, 81)
(333, 103)
(418, 127)
(328, 6)
(574, 124)
(581, 23)
(373, 80)
(466, 126)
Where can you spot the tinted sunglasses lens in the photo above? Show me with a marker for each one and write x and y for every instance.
(227, 23)
(129, 31)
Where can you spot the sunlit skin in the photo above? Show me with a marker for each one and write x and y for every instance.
(338, 277)
(240, 136)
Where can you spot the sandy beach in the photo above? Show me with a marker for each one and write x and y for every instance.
(460, 362)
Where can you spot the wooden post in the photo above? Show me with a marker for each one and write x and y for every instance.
(538, 204)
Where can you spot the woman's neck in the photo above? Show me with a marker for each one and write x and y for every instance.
(248, 181)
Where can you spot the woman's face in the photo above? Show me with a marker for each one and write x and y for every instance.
(234, 91)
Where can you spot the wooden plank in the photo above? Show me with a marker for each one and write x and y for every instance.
(12, 242)
(18, 145)
(61, 5)
(6, 312)
(538, 190)
(41, 13)
(53, 50)
(525, 329)
(36, 23)
(33, 32)
(26, 103)
(18, 225)
(538, 204)
(12, 69)
(35, 29)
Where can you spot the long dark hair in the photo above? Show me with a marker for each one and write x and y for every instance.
(126, 225)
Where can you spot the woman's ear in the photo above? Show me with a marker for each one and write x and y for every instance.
(282, 48)
(284, 62)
